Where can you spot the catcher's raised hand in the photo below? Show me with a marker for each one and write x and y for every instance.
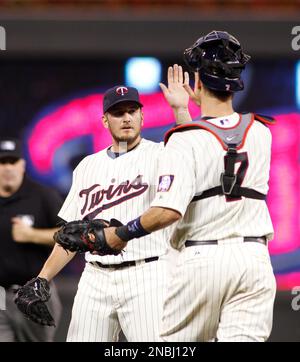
(31, 300)
(176, 93)
(193, 93)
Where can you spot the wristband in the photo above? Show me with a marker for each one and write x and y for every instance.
(132, 230)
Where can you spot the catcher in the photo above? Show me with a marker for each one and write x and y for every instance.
(75, 236)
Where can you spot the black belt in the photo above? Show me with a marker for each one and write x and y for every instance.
(125, 263)
(254, 239)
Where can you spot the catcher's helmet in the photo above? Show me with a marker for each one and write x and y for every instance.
(219, 58)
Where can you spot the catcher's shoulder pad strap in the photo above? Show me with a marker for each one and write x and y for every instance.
(267, 120)
(226, 136)
(180, 128)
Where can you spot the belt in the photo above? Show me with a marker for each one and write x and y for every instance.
(255, 239)
(125, 263)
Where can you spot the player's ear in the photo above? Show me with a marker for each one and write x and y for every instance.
(142, 117)
(199, 84)
(200, 90)
(23, 164)
(105, 121)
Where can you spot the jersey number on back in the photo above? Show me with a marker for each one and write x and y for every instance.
(242, 158)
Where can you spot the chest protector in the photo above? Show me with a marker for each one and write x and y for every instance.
(231, 139)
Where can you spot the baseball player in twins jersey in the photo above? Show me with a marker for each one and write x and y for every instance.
(213, 181)
(112, 295)
(124, 291)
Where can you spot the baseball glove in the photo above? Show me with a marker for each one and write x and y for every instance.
(72, 236)
(77, 236)
(31, 300)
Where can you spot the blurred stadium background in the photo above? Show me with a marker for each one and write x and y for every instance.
(61, 55)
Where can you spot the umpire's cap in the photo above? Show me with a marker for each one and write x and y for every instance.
(219, 58)
(10, 147)
(119, 94)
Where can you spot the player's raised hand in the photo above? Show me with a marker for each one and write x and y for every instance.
(175, 93)
(194, 94)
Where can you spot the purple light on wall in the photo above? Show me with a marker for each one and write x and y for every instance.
(82, 116)
(76, 118)
(287, 281)
(284, 195)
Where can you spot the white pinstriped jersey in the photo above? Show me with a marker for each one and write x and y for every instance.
(122, 188)
(193, 162)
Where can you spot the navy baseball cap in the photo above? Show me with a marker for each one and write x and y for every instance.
(119, 94)
(10, 147)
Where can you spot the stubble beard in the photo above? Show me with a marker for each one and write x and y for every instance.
(126, 142)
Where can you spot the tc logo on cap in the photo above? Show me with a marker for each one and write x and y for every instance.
(8, 145)
(122, 91)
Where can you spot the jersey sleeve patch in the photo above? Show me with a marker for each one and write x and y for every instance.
(165, 183)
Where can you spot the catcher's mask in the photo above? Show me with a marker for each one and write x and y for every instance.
(219, 59)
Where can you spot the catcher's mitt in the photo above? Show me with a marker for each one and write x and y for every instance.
(31, 299)
(76, 236)
(73, 236)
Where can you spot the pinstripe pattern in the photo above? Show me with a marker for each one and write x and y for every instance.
(108, 300)
(223, 291)
(198, 168)
(130, 298)
(100, 169)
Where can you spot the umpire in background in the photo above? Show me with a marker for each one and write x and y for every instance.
(28, 219)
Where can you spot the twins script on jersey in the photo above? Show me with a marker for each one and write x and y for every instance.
(122, 187)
